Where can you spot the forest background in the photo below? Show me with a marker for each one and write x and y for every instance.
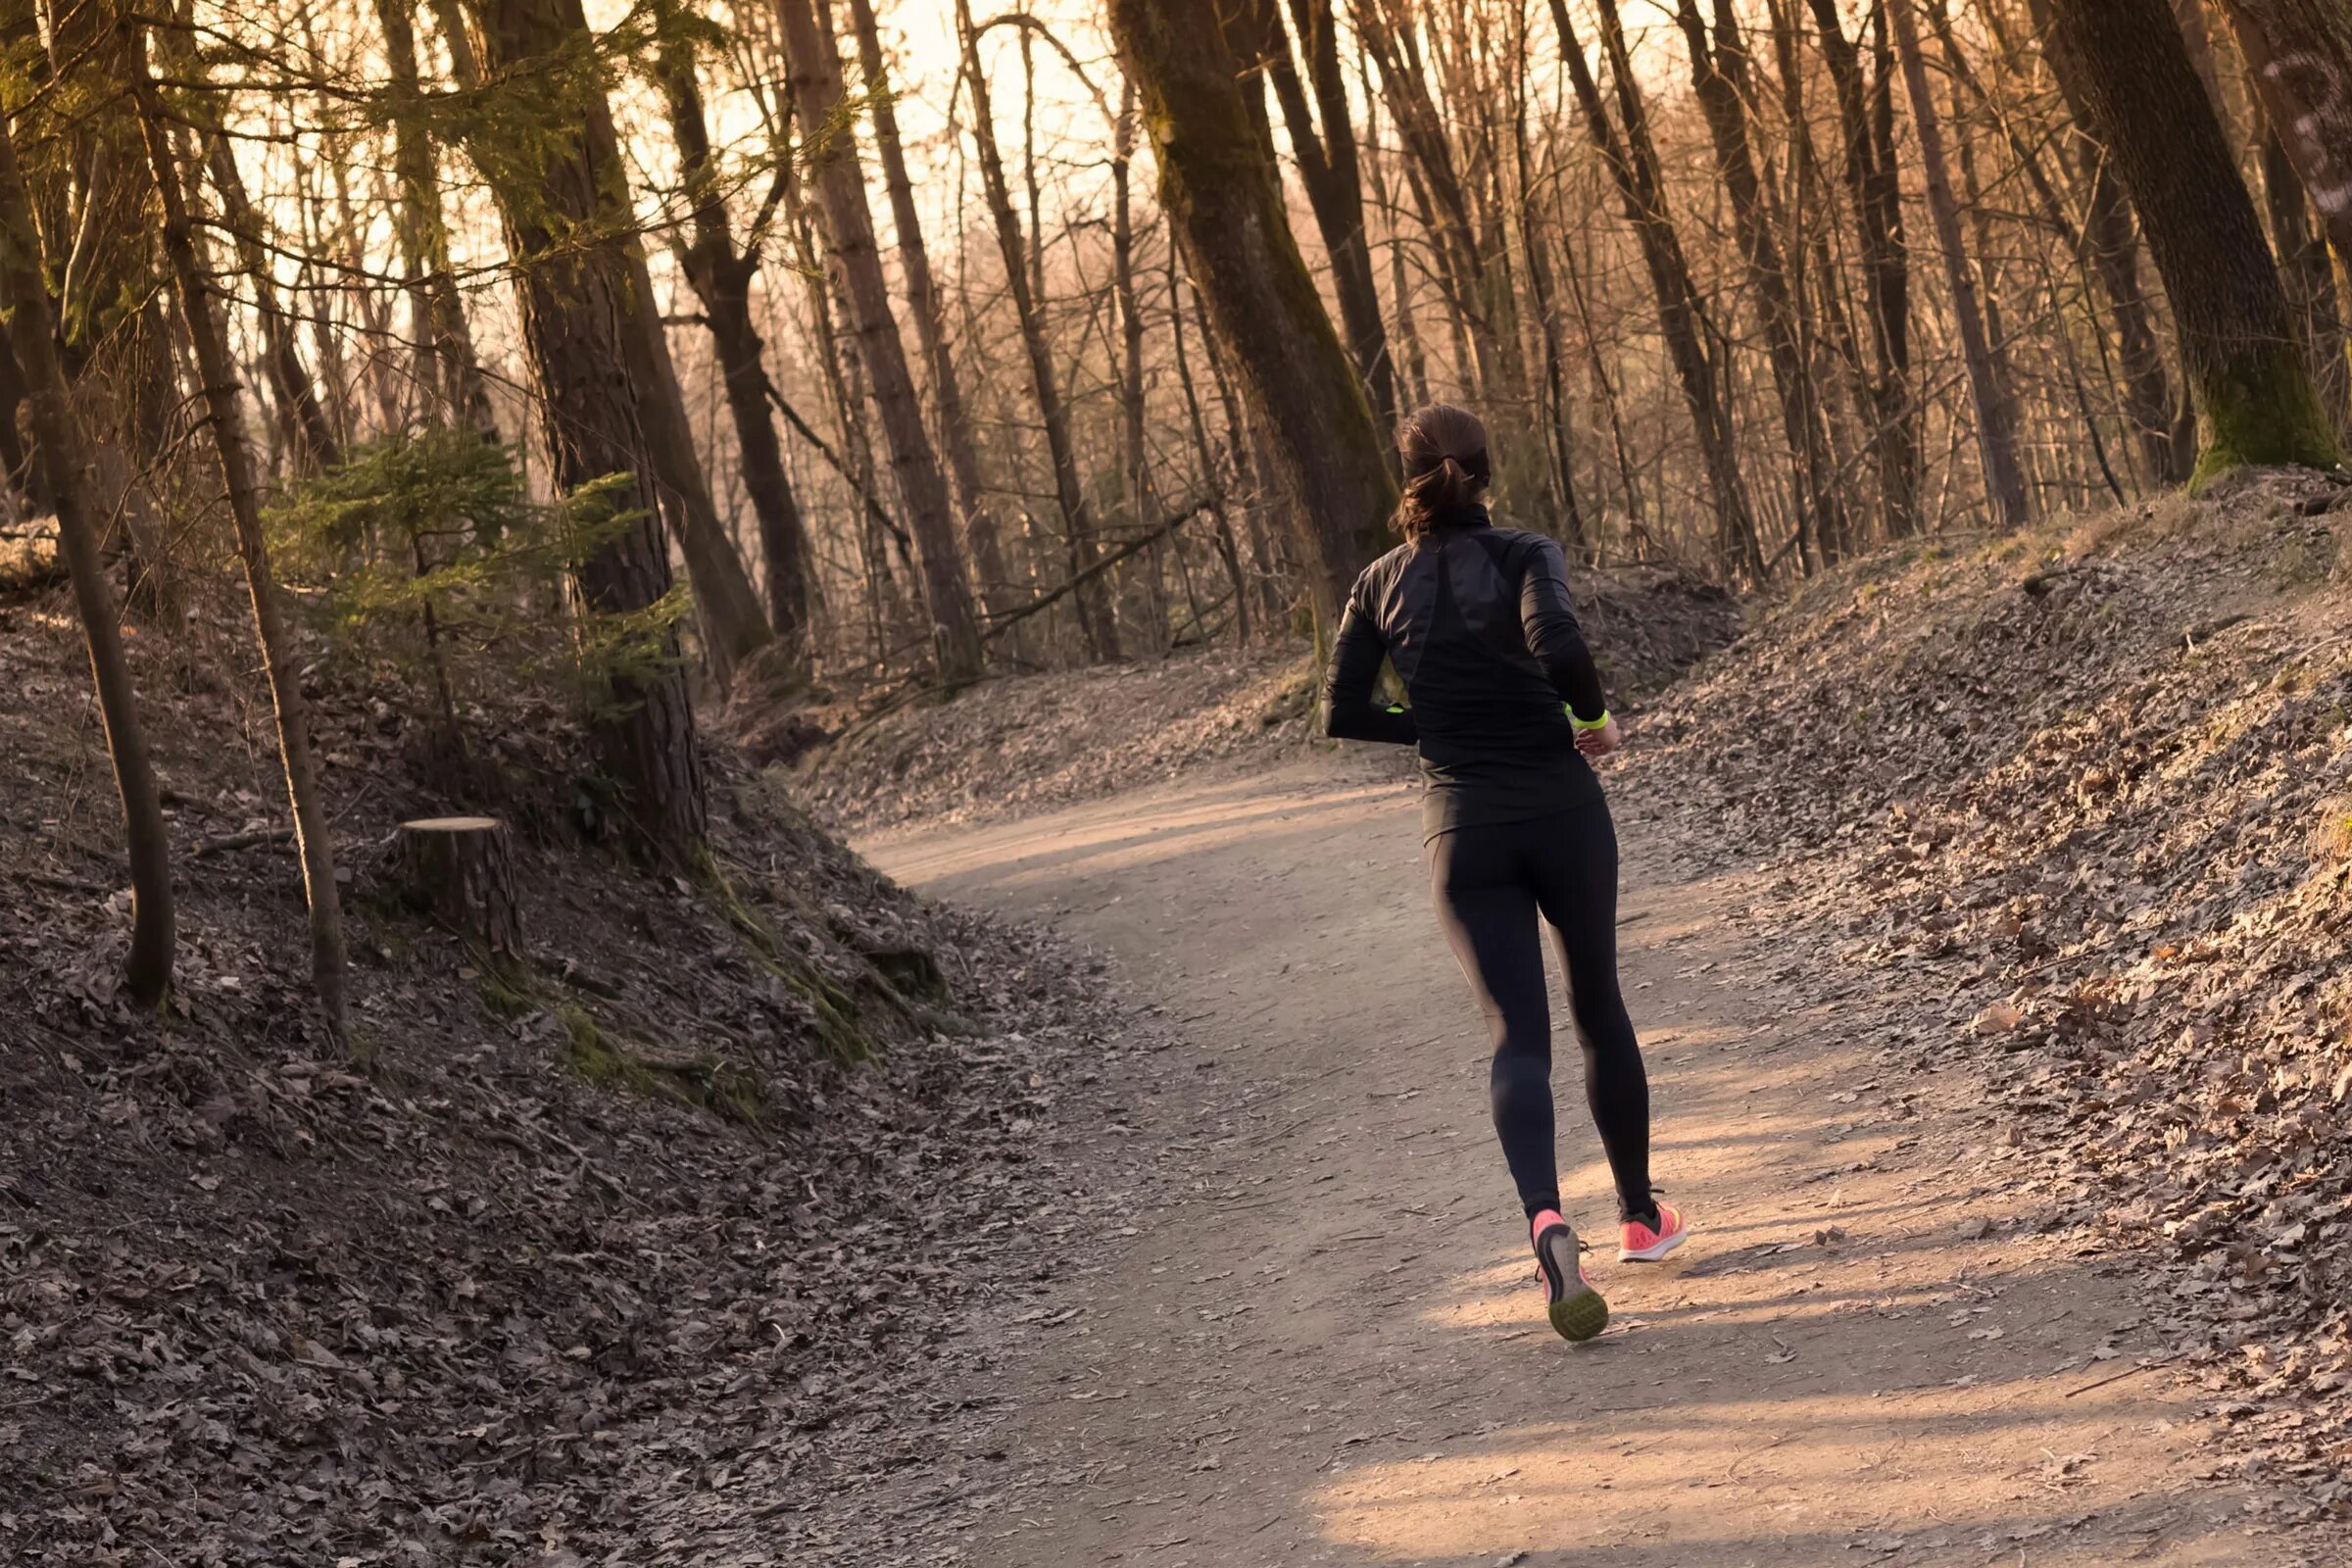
(845, 352)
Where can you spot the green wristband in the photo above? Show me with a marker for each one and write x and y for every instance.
(1602, 722)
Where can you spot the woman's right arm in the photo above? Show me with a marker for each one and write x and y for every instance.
(1350, 711)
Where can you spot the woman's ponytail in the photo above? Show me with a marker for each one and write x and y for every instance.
(1442, 450)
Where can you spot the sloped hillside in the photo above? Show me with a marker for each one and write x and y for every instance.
(586, 1259)
(2074, 810)
(1028, 742)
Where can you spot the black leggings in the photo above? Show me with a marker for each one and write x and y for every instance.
(1489, 883)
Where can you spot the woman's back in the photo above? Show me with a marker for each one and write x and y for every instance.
(1478, 623)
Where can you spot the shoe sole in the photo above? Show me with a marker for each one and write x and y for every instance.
(1650, 1254)
(1580, 1316)
(1582, 1313)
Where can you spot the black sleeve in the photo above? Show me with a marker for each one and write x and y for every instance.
(1351, 711)
(1547, 614)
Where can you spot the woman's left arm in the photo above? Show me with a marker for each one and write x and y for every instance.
(1547, 614)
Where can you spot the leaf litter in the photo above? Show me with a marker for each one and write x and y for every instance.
(2072, 811)
(625, 1258)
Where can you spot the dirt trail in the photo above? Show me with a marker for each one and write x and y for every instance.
(1326, 1347)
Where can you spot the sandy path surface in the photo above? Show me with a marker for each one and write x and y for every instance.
(1327, 1346)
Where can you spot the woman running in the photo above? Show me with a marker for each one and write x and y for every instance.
(1505, 706)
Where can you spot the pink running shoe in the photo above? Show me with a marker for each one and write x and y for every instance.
(1639, 1244)
(1575, 1308)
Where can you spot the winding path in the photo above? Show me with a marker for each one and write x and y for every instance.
(1326, 1347)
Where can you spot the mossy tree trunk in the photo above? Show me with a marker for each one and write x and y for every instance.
(2111, 236)
(2300, 55)
(2238, 343)
(69, 479)
(2305, 270)
(1223, 198)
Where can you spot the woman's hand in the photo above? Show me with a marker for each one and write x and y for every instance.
(1602, 741)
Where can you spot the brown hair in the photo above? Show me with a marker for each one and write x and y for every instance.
(1444, 451)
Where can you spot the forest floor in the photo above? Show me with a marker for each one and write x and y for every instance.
(1983, 923)
(612, 1252)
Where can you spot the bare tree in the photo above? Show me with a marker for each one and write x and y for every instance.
(1023, 278)
(1719, 72)
(1633, 164)
(981, 530)
(1996, 415)
(818, 106)
(200, 316)
(69, 476)
(721, 275)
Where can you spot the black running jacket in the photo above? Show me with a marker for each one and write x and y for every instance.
(1481, 628)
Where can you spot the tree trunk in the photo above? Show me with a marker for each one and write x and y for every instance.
(1224, 201)
(200, 313)
(818, 105)
(460, 871)
(1633, 164)
(16, 463)
(117, 346)
(316, 446)
(854, 462)
(2304, 269)
(1142, 500)
(722, 277)
(1329, 168)
(2244, 359)
(733, 622)
(67, 478)
(1996, 414)
(2299, 55)
(1429, 161)
(1213, 482)
(1093, 598)
(1717, 68)
(1413, 363)
(2111, 236)
(579, 308)
(1874, 185)
(733, 626)
(444, 342)
(981, 529)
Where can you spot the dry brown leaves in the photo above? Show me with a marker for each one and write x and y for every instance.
(2074, 817)
(514, 1290)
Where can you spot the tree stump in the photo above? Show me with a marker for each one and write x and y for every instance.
(461, 870)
